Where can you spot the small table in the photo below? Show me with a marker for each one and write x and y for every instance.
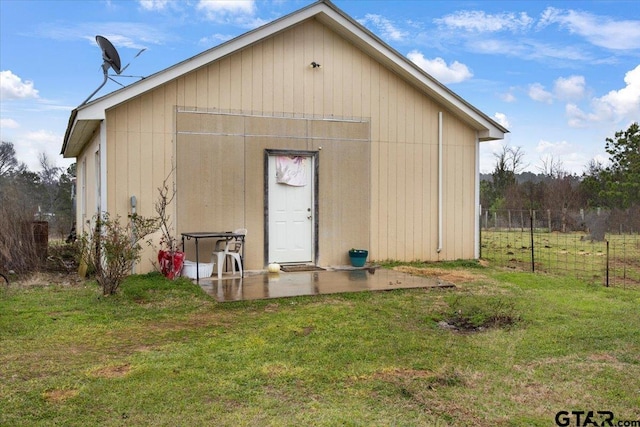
(226, 235)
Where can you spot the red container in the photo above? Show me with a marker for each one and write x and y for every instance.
(170, 266)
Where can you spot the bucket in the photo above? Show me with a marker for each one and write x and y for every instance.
(205, 269)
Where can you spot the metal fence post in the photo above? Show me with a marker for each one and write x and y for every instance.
(480, 234)
(533, 263)
(607, 274)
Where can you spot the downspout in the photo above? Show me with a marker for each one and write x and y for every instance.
(478, 208)
(103, 166)
(439, 182)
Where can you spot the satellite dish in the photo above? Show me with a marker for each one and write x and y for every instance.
(109, 54)
(111, 60)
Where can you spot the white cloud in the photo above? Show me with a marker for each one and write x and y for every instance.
(565, 88)
(215, 39)
(615, 106)
(599, 30)
(508, 97)
(576, 117)
(8, 124)
(562, 147)
(548, 17)
(121, 34)
(479, 21)
(537, 50)
(502, 119)
(44, 137)
(623, 103)
(488, 151)
(154, 4)
(569, 157)
(228, 6)
(237, 12)
(455, 72)
(528, 49)
(571, 87)
(495, 46)
(386, 28)
(538, 93)
(12, 87)
(29, 145)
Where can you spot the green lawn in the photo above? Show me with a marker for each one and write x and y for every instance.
(572, 254)
(164, 354)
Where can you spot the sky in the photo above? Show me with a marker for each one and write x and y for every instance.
(561, 76)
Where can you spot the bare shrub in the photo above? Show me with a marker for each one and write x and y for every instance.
(18, 250)
(110, 249)
(63, 257)
(625, 220)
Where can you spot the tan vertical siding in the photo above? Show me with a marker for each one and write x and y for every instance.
(224, 83)
(328, 62)
(237, 84)
(274, 78)
(146, 189)
(86, 178)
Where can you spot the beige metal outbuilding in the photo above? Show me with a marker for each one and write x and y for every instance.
(388, 156)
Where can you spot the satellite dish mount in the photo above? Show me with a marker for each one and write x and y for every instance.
(111, 59)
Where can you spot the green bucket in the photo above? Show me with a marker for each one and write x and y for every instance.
(358, 257)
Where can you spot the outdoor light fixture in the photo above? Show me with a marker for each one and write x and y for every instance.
(314, 64)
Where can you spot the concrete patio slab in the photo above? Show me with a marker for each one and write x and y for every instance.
(263, 285)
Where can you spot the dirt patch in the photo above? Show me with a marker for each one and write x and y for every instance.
(450, 276)
(58, 396)
(392, 374)
(476, 313)
(603, 357)
(115, 371)
(272, 308)
(41, 279)
(304, 331)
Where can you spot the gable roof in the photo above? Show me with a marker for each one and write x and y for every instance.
(85, 119)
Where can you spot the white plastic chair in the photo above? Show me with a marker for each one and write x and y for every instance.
(221, 243)
(233, 250)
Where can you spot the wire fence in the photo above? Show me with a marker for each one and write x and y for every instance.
(598, 247)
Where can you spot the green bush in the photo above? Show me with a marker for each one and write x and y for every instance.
(110, 249)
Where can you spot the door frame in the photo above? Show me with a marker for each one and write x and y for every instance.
(315, 226)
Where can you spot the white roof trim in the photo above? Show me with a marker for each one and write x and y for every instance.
(434, 87)
(96, 109)
(330, 15)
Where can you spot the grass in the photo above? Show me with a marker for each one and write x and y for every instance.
(567, 253)
(164, 353)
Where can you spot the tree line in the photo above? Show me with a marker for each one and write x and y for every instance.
(615, 186)
(27, 197)
(46, 194)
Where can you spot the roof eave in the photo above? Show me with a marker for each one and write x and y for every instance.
(491, 134)
(95, 110)
(79, 133)
(373, 45)
(327, 13)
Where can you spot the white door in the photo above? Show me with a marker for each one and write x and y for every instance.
(290, 209)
